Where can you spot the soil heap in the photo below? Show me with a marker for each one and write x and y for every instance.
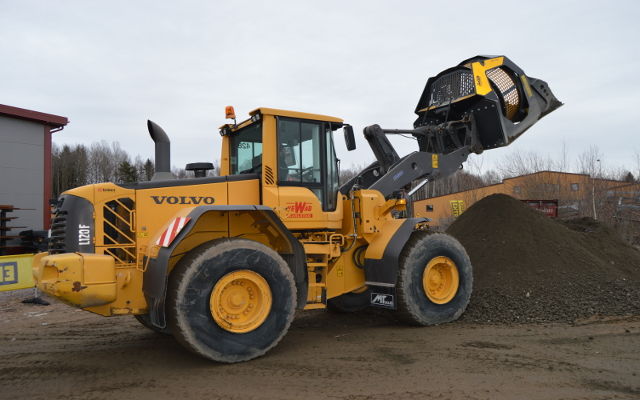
(531, 268)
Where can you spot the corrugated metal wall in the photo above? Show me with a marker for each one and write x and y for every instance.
(22, 170)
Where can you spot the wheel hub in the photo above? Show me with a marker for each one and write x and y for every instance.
(240, 301)
(440, 280)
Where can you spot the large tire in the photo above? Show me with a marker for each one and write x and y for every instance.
(350, 302)
(226, 267)
(144, 321)
(426, 296)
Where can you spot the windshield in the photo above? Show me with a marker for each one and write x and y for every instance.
(246, 150)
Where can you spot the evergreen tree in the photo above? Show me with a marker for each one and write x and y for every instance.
(629, 178)
(127, 173)
(149, 170)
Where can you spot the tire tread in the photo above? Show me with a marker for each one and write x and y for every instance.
(407, 309)
(178, 284)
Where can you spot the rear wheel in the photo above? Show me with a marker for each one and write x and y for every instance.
(435, 280)
(231, 300)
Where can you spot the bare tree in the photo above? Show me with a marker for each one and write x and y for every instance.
(101, 166)
(491, 177)
(522, 163)
(590, 162)
(180, 173)
(69, 167)
(637, 160)
(348, 173)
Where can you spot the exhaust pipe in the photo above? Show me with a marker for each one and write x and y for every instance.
(163, 152)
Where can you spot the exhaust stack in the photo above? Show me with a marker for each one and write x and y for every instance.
(163, 152)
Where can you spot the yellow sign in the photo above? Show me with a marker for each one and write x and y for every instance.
(457, 207)
(434, 161)
(15, 272)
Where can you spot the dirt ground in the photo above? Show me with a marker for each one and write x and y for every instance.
(57, 352)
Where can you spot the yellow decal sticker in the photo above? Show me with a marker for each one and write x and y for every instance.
(525, 83)
(479, 69)
(15, 272)
(457, 207)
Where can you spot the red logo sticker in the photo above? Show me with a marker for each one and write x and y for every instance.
(298, 209)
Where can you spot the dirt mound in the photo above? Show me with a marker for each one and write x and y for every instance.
(528, 267)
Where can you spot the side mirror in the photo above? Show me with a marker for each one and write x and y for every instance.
(349, 138)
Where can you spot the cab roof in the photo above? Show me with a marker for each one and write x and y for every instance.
(295, 114)
(279, 113)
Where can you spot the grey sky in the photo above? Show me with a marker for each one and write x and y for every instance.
(108, 66)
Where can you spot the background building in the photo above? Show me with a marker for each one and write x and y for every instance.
(25, 164)
(576, 194)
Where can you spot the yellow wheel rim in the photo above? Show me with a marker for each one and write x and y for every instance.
(240, 301)
(440, 280)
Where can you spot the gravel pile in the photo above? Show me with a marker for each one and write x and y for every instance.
(530, 268)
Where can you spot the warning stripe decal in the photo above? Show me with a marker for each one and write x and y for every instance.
(172, 231)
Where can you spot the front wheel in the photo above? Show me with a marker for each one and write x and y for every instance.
(231, 300)
(435, 280)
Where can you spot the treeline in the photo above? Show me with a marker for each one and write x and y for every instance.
(79, 165)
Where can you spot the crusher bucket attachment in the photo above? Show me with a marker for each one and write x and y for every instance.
(483, 103)
(490, 95)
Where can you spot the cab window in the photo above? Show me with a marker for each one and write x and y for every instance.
(246, 150)
(300, 146)
(333, 183)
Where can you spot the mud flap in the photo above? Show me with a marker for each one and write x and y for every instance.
(382, 275)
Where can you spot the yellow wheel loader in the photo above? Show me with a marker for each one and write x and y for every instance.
(222, 263)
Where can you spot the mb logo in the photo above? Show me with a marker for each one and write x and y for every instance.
(382, 300)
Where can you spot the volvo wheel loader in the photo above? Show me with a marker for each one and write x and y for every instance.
(222, 263)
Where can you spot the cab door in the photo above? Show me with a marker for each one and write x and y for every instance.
(307, 174)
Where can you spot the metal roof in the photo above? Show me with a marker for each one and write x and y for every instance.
(55, 121)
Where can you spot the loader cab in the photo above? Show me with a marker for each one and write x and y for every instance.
(294, 155)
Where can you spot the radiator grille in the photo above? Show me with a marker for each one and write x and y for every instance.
(58, 232)
(119, 232)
